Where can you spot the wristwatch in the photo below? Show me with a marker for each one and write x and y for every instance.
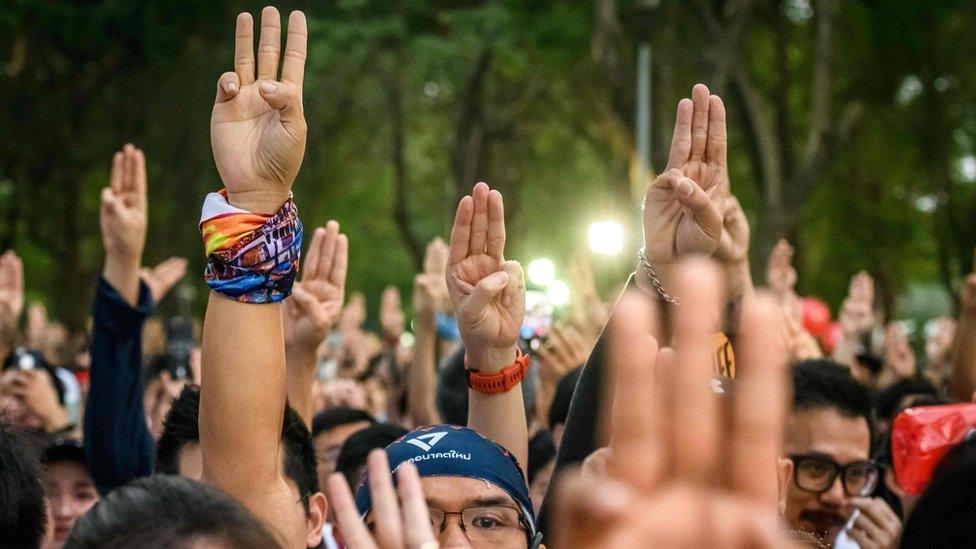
(501, 381)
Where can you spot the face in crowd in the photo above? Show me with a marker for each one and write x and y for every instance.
(69, 493)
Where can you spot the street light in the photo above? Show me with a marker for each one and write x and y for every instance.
(558, 293)
(606, 237)
(542, 272)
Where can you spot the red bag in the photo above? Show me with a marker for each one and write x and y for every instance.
(921, 436)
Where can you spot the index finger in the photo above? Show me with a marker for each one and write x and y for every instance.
(681, 139)
(314, 252)
(340, 264)
(632, 392)
(354, 532)
(461, 231)
(244, 48)
(699, 121)
(760, 401)
(496, 225)
(296, 49)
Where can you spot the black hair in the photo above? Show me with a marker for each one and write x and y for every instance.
(327, 420)
(559, 409)
(165, 511)
(945, 515)
(22, 513)
(542, 451)
(888, 401)
(452, 390)
(352, 458)
(822, 383)
(181, 427)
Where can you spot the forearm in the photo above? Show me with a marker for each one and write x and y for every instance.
(421, 382)
(117, 440)
(242, 399)
(500, 417)
(962, 383)
(300, 374)
(738, 279)
(121, 271)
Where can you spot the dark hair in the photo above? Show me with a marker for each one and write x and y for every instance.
(164, 511)
(559, 409)
(945, 515)
(542, 451)
(22, 515)
(889, 399)
(452, 390)
(327, 420)
(352, 457)
(822, 383)
(181, 428)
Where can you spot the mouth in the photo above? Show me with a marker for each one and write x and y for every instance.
(822, 522)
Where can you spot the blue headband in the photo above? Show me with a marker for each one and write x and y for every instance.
(453, 451)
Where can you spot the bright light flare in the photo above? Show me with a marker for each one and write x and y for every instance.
(558, 293)
(606, 237)
(542, 272)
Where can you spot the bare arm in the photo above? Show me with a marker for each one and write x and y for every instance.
(312, 311)
(489, 297)
(421, 378)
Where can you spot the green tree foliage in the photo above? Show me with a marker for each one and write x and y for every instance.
(849, 126)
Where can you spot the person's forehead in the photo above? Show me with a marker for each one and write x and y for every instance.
(827, 431)
(66, 473)
(455, 493)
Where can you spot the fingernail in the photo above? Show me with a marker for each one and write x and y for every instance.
(231, 87)
(267, 87)
(499, 278)
(685, 187)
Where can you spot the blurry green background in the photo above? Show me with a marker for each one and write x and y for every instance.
(852, 127)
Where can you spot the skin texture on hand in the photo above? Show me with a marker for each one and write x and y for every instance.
(686, 461)
(258, 138)
(684, 206)
(123, 218)
(11, 300)
(397, 522)
(391, 314)
(312, 311)
(258, 129)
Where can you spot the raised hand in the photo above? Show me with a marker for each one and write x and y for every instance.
(687, 461)
(11, 290)
(488, 292)
(353, 314)
(257, 128)
(899, 359)
(391, 314)
(564, 350)
(395, 523)
(123, 214)
(685, 205)
(780, 274)
(161, 278)
(317, 299)
(857, 312)
(733, 247)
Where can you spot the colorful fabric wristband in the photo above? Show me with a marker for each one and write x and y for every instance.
(251, 258)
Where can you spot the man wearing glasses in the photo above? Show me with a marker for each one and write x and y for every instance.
(826, 474)
(475, 490)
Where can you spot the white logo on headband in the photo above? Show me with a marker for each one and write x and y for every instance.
(432, 439)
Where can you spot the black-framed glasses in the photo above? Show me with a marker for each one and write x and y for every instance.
(487, 525)
(817, 474)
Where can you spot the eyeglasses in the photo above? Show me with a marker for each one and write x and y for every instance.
(817, 474)
(495, 524)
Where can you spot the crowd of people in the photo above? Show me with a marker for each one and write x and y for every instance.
(694, 410)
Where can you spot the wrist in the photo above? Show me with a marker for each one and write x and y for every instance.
(665, 276)
(262, 202)
(121, 271)
(490, 359)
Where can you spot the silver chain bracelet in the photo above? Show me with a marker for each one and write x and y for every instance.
(655, 281)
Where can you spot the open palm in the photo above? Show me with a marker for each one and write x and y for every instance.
(684, 206)
(258, 128)
(487, 291)
(317, 300)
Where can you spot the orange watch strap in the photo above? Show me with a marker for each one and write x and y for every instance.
(501, 381)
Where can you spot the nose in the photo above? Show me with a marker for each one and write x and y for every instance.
(61, 507)
(835, 494)
(452, 536)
